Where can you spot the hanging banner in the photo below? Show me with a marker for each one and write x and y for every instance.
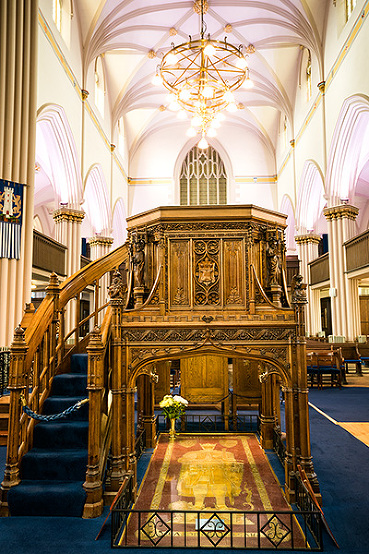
(11, 207)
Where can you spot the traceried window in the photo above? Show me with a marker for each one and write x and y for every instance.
(203, 179)
(350, 6)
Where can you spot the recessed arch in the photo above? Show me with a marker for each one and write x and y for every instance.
(96, 205)
(310, 200)
(287, 208)
(119, 223)
(349, 149)
(56, 155)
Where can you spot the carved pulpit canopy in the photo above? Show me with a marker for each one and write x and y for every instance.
(210, 258)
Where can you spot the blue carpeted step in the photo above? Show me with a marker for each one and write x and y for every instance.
(61, 434)
(47, 498)
(57, 404)
(59, 465)
(69, 384)
(78, 363)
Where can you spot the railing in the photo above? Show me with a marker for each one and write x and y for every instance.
(140, 444)
(279, 446)
(211, 423)
(122, 504)
(4, 369)
(44, 349)
(48, 254)
(319, 269)
(249, 530)
(357, 252)
(306, 507)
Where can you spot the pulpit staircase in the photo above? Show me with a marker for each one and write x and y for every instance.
(55, 466)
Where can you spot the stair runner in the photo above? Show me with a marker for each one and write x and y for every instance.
(54, 470)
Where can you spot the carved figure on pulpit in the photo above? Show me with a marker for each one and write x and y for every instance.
(273, 262)
(116, 288)
(138, 262)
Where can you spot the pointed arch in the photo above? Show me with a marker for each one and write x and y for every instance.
(96, 204)
(311, 199)
(349, 149)
(119, 223)
(287, 208)
(57, 156)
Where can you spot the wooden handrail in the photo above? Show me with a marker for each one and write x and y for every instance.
(72, 286)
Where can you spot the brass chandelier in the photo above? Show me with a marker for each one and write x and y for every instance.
(201, 76)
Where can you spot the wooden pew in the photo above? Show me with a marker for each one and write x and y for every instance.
(325, 363)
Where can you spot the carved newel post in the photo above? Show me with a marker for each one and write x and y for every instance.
(17, 386)
(296, 402)
(117, 470)
(95, 386)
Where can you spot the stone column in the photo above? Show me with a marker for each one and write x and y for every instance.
(341, 227)
(68, 232)
(308, 250)
(18, 90)
(100, 246)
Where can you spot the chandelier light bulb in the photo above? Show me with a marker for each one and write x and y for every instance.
(196, 121)
(191, 132)
(231, 107)
(171, 59)
(209, 49)
(228, 96)
(203, 143)
(156, 80)
(208, 91)
(184, 94)
(215, 124)
(182, 114)
(174, 106)
(241, 63)
(248, 83)
(211, 132)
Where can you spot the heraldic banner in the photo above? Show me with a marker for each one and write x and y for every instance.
(11, 205)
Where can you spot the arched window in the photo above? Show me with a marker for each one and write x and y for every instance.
(99, 85)
(350, 6)
(62, 15)
(203, 179)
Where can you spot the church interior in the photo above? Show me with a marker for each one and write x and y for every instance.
(184, 275)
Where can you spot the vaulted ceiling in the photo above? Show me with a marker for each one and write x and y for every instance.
(133, 35)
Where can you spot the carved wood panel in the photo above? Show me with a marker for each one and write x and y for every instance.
(206, 272)
(162, 387)
(204, 378)
(233, 271)
(246, 383)
(179, 260)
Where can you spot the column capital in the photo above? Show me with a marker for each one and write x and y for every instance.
(98, 240)
(340, 212)
(308, 238)
(68, 214)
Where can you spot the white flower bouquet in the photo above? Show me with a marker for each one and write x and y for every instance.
(173, 406)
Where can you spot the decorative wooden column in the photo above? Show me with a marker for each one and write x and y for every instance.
(118, 365)
(308, 250)
(341, 227)
(267, 418)
(17, 386)
(95, 386)
(68, 232)
(18, 105)
(100, 246)
(145, 408)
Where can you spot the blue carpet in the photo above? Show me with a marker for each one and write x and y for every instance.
(340, 460)
(54, 470)
(346, 404)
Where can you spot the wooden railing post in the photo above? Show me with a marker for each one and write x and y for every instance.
(17, 385)
(117, 361)
(53, 291)
(95, 386)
